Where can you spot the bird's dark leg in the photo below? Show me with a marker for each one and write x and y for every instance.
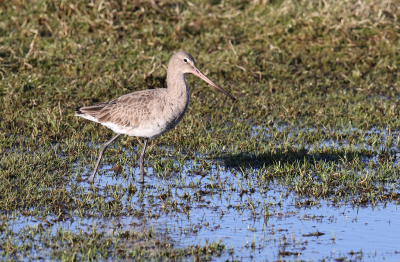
(102, 149)
(141, 161)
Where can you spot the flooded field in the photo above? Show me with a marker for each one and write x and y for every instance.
(239, 211)
(303, 166)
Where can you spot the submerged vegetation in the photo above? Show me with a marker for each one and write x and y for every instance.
(317, 114)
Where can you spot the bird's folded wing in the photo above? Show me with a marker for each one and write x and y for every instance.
(128, 111)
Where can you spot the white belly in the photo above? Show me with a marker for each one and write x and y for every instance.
(149, 129)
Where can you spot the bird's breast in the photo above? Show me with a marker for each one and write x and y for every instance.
(175, 110)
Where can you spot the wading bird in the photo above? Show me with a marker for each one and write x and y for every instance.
(147, 113)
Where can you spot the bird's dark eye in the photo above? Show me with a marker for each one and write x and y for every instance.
(185, 60)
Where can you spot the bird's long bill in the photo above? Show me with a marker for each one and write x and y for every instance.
(202, 76)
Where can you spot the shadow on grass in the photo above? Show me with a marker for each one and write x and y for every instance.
(286, 156)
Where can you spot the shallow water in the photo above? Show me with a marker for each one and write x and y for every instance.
(349, 231)
(254, 219)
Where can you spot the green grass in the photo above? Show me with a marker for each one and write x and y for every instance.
(332, 66)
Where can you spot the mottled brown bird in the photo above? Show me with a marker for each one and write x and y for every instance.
(147, 113)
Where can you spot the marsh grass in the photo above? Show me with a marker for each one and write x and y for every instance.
(318, 90)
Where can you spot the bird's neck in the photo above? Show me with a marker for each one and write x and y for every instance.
(177, 87)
